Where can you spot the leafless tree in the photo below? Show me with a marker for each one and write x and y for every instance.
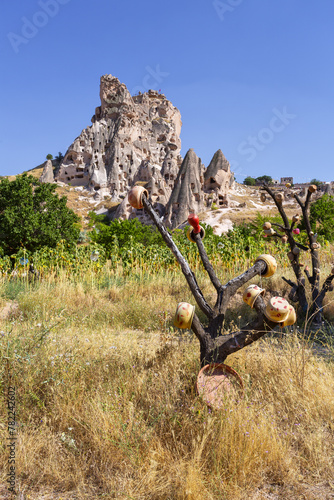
(215, 347)
(312, 306)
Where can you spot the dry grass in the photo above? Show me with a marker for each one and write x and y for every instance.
(107, 406)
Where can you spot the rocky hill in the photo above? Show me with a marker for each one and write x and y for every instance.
(243, 206)
(136, 139)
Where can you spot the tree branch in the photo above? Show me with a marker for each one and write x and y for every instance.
(289, 282)
(206, 263)
(228, 344)
(189, 275)
(326, 287)
(307, 273)
(302, 247)
(282, 228)
(228, 290)
(278, 205)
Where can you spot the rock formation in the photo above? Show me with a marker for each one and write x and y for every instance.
(47, 174)
(125, 132)
(218, 179)
(188, 193)
(136, 139)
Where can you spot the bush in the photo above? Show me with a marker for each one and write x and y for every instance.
(125, 233)
(33, 216)
(249, 181)
(264, 178)
(321, 217)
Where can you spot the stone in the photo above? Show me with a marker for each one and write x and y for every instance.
(136, 140)
(47, 174)
(218, 178)
(126, 131)
(188, 193)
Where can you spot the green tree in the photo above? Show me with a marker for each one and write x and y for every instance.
(32, 216)
(127, 233)
(49, 157)
(316, 182)
(249, 181)
(321, 217)
(265, 178)
(59, 158)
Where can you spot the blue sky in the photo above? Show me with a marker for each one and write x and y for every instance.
(254, 78)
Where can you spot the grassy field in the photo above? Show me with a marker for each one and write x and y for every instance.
(107, 405)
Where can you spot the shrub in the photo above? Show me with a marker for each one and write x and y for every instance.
(33, 216)
(321, 217)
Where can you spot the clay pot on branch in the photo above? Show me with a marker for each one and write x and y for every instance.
(135, 196)
(184, 315)
(277, 309)
(269, 232)
(251, 294)
(291, 319)
(197, 229)
(271, 265)
(279, 197)
(191, 233)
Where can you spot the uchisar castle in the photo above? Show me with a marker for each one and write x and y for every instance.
(136, 140)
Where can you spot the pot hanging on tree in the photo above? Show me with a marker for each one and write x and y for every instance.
(279, 198)
(271, 264)
(135, 196)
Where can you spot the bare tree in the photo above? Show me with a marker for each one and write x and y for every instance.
(312, 306)
(215, 347)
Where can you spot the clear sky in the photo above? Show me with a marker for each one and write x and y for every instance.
(254, 78)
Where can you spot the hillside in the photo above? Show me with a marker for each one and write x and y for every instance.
(244, 204)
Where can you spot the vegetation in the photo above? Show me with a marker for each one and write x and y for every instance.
(107, 404)
(33, 216)
(249, 181)
(49, 157)
(106, 386)
(59, 158)
(126, 233)
(312, 306)
(264, 178)
(321, 217)
(316, 182)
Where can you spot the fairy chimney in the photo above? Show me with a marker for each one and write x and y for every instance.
(187, 195)
(47, 174)
(218, 178)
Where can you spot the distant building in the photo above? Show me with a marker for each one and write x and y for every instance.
(286, 180)
(275, 181)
